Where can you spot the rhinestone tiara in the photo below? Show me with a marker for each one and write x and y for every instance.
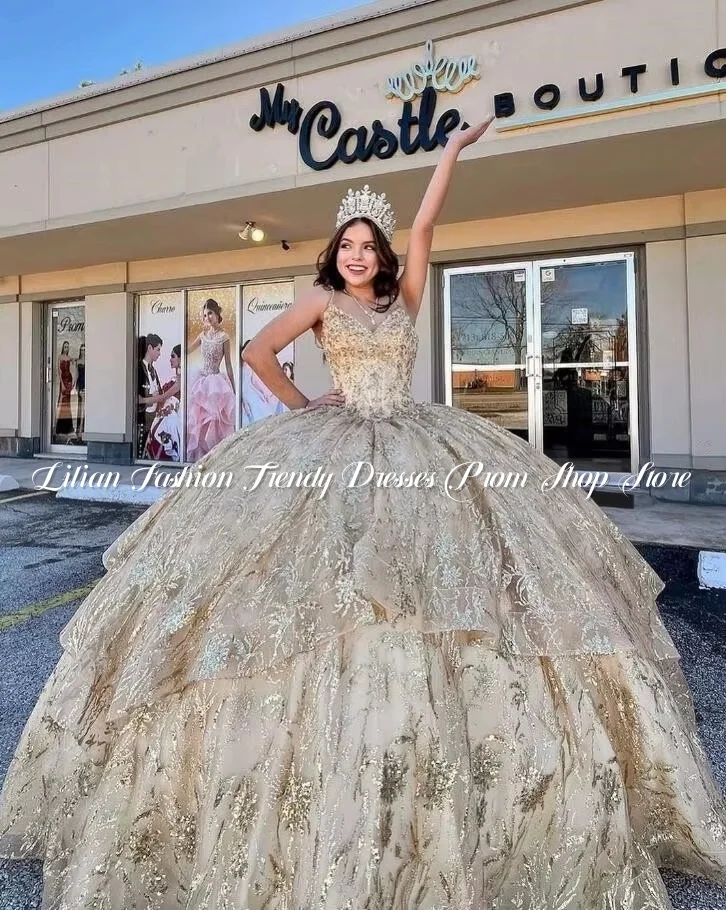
(367, 204)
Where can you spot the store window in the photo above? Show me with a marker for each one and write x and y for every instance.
(261, 303)
(193, 391)
(66, 374)
(211, 369)
(546, 349)
(159, 422)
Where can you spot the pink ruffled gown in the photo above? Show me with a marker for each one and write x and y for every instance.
(211, 408)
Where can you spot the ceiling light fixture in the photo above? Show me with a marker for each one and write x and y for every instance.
(251, 232)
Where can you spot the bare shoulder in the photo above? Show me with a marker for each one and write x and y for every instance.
(314, 301)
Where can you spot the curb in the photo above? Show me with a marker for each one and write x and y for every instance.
(123, 493)
(711, 570)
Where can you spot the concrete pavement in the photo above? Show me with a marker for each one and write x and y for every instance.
(50, 557)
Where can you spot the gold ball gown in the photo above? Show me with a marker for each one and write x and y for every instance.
(378, 698)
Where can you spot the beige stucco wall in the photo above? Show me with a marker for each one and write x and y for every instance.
(206, 150)
(10, 368)
(24, 183)
(668, 354)
(109, 377)
(686, 342)
(707, 342)
(32, 369)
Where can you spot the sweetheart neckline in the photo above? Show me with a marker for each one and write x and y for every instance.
(370, 331)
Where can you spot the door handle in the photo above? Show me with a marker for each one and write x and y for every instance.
(529, 370)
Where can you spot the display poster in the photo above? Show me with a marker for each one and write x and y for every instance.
(68, 425)
(159, 411)
(211, 372)
(261, 303)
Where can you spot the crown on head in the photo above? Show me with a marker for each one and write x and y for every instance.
(367, 204)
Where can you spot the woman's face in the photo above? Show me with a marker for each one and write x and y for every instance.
(288, 372)
(64, 347)
(174, 361)
(209, 317)
(357, 258)
(153, 353)
(82, 352)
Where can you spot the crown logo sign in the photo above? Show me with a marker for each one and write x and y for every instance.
(367, 204)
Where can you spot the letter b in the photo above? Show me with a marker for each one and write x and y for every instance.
(504, 105)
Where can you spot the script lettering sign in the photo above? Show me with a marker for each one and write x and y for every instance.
(444, 74)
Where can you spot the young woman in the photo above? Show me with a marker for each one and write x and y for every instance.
(344, 683)
(211, 399)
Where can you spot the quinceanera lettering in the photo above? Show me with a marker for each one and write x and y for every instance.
(444, 74)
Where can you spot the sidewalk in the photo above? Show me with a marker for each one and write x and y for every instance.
(22, 471)
(650, 521)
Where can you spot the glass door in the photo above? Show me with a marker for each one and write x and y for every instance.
(489, 344)
(65, 375)
(546, 349)
(584, 378)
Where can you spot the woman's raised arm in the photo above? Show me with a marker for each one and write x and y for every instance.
(413, 279)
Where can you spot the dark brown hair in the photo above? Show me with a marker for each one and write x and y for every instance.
(385, 284)
(146, 342)
(211, 304)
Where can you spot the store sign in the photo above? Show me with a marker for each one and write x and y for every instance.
(420, 130)
(548, 96)
(444, 74)
(68, 324)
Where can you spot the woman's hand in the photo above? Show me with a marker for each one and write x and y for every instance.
(335, 398)
(470, 135)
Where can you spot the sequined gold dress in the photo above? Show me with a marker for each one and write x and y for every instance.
(370, 697)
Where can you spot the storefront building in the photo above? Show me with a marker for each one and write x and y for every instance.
(150, 226)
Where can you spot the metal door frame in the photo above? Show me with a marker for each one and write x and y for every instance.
(527, 366)
(49, 313)
(533, 364)
(633, 419)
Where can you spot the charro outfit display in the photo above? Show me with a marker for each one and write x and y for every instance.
(385, 697)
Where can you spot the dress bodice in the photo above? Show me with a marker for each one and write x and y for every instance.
(373, 366)
(212, 353)
(65, 372)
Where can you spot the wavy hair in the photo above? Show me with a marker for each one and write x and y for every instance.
(385, 284)
(211, 304)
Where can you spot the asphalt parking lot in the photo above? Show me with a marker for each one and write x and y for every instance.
(50, 558)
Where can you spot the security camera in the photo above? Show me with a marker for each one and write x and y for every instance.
(285, 245)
